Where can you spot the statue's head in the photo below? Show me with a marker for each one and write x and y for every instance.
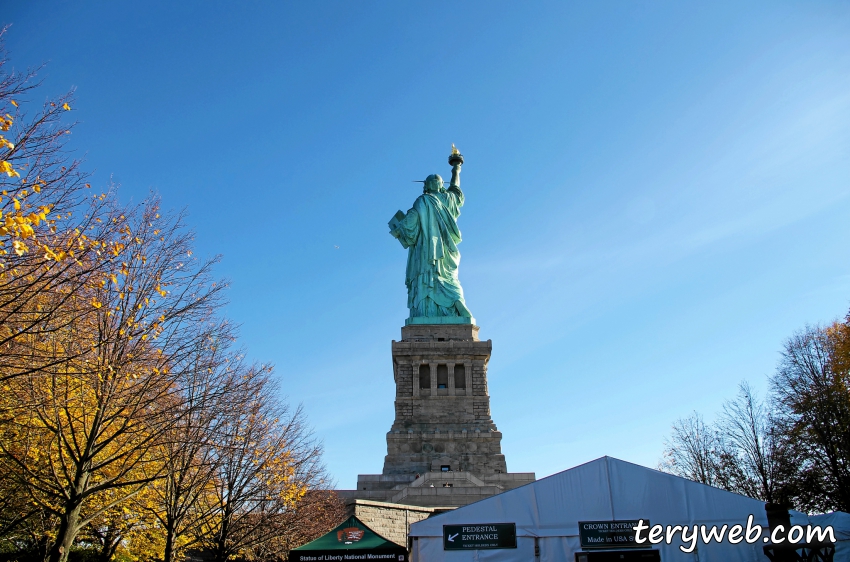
(434, 184)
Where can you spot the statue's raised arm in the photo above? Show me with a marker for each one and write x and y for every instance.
(430, 233)
(456, 161)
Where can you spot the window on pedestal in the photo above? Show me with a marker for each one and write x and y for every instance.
(442, 376)
(424, 376)
(460, 376)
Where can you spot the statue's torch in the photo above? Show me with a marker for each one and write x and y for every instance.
(455, 158)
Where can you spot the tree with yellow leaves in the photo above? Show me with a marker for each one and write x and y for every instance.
(318, 511)
(25, 528)
(184, 496)
(55, 234)
(127, 528)
(127, 422)
(94, 425)
(267, 459)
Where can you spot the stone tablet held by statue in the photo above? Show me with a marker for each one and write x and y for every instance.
(395, 223)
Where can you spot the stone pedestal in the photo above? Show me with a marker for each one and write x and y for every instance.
(442, 407)
(443, 448)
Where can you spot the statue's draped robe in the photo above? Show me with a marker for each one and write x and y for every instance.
(429, 231)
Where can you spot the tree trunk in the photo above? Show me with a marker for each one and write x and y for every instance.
(110, 544)
(67, 532)
(220, 554)
(168, 552)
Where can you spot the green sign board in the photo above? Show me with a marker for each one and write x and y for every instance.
(479, 536)
(609, 534)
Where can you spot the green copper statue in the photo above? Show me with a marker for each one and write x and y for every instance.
(429, 232)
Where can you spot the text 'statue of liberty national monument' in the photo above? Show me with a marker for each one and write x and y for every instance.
(443, 448)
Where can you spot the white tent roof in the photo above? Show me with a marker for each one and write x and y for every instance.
(840, 523)
(603, 489)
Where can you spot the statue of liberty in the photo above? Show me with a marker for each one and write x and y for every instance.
(430, 234)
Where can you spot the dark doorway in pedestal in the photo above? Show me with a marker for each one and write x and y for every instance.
(424, 376)
(460, 376)
(442, 376)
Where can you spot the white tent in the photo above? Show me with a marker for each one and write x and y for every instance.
(602, 490)
(840, 523)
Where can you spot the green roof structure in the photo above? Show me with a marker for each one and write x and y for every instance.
(351, 540)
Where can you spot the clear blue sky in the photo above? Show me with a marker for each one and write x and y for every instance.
(656, 192)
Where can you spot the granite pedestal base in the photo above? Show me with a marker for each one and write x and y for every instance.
(443, 448)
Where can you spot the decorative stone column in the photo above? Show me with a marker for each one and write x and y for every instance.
(414, 371)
